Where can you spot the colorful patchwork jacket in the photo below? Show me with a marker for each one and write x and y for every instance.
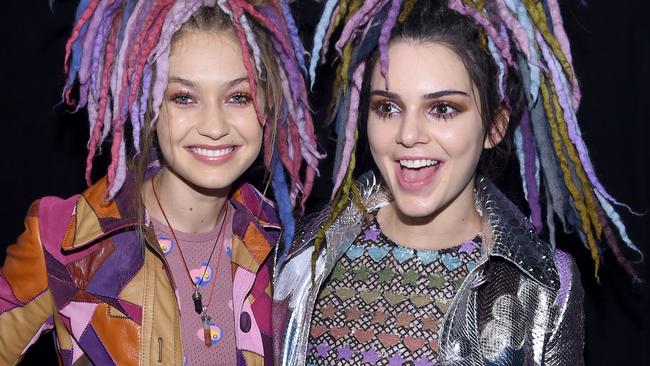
(82, 269)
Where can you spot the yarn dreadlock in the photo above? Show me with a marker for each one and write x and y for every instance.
(118, 53)
(526, 41)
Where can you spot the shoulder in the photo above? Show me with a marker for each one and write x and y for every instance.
(307, 228)
(249, 200)
(54, 215)
(348, 220)
(69, 223)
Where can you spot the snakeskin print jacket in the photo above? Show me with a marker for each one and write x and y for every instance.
(521, 304)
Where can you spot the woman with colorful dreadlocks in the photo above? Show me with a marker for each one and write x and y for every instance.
(168, 258)
(424, 261)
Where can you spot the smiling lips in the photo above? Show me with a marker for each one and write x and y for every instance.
(415, 174)
(212, 155)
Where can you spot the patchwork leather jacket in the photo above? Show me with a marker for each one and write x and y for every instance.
(82, 269)
(521, 304)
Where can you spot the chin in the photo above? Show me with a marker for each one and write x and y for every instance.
(217, 183)
(204, 181)
(416, 208)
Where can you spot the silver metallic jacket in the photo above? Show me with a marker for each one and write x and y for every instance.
(521, 304)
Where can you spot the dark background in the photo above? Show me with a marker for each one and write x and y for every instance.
(43, 145)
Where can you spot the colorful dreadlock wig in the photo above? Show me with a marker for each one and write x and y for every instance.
(118, 54)
(526, 37)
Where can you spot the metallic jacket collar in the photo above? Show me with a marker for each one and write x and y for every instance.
(508, 232)
(512, 237)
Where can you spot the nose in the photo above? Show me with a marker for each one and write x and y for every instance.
(213, 122)
(411, 131)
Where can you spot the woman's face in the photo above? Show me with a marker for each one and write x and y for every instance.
(208, 130)
(425, 130)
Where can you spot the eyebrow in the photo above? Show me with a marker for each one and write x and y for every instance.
(192, 84)
(234, 82)
(438, 94)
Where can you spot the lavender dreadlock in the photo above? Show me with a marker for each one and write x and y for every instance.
(118, 55)
(526, 41)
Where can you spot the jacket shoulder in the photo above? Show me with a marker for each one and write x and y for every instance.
(566, 341)
(307, 228)
(373, 196)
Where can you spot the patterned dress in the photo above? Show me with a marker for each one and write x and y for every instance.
(383, 302)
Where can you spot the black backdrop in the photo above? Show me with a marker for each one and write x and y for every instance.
(43, 148)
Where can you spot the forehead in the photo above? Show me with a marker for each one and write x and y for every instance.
(206, 52)
(422, 67)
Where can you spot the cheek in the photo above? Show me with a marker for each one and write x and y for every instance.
(252, 128)
(249, 128)
(379, 137)
(163, 133)
(257, 138)
(461, 138)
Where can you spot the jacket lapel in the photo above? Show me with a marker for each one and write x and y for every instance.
(95, 216)
(255, 228)
(511, 237)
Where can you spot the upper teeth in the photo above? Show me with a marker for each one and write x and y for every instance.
(414, 164)
(211, 153)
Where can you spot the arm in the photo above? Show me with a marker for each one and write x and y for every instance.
(25, 300)
(565, 345)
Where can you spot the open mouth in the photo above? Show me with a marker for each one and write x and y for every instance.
(415, 173)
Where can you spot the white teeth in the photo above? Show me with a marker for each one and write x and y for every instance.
(211, 153)
(420, 163)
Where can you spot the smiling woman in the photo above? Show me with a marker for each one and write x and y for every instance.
(208, 100)
(168, 258)
(208, 132)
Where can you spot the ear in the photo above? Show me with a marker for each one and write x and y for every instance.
(499, 127)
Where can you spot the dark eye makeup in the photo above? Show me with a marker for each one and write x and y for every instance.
(439, 109)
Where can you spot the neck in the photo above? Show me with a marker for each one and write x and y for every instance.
(451, 225)
(188, 208)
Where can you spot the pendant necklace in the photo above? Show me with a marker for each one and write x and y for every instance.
(197, 299)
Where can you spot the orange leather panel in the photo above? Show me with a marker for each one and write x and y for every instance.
(120, 336)
(24, 267)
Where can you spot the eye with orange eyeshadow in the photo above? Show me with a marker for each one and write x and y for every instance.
(384, 108)
(444, 110)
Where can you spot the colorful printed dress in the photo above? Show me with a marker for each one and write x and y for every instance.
(383, 302)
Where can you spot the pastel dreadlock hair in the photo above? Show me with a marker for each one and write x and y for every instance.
(118, 54)
(517, 54)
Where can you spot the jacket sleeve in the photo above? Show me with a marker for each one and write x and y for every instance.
(25, 300)
(566, 342)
